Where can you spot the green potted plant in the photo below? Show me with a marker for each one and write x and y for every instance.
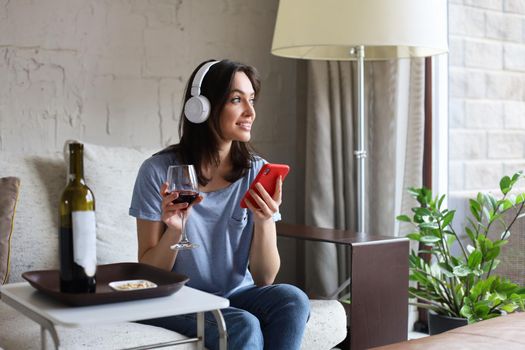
(464, 285)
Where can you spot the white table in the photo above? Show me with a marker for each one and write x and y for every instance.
(48, 312)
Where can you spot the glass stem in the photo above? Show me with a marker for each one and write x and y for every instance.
(183, 228)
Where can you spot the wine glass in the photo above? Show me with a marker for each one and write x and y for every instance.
(183, 179)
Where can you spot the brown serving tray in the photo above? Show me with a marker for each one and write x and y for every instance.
(48, 282)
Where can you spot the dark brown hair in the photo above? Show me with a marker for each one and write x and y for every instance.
(199, 143)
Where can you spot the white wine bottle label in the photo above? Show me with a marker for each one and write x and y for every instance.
(85, 240)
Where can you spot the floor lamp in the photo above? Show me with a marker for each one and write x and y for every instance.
(360, 30)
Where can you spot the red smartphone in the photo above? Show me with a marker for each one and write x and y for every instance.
(267, 176)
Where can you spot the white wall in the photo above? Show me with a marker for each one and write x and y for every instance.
(487, 92)
(113, 72)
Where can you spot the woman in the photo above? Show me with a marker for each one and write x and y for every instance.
(237, 256)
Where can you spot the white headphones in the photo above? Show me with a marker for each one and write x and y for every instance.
(197, 108)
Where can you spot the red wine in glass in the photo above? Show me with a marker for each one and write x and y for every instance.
(186, 197)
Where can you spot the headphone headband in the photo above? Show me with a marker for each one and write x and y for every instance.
(197, 107)
(199, 77)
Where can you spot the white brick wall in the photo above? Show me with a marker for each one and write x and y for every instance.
(515, 6)
(113, 72)
(469, 23)
(487, 4)
(506, 144)
(468, 144)
(504, 85)
(514, 57)
(483, 114)
(467, 83)
(456, 113)
(483, 54)
(491, 174)
(514, 113)
(504, 26)
(487, 92)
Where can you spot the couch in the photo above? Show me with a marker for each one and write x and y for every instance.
(33, 245)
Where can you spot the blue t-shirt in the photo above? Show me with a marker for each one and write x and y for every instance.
(222, 229)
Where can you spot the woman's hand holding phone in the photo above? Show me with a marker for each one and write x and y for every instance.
(262, 204)
(265, 193)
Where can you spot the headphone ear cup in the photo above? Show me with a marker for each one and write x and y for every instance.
(197, 109)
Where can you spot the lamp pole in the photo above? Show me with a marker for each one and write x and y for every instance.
(360, 153)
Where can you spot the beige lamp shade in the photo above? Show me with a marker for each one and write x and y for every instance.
(329, 29)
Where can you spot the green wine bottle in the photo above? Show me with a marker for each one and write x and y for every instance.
(77, 236)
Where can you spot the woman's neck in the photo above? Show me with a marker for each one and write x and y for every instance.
(217, 173)
(224, 150)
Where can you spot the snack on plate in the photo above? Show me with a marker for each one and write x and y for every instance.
(132, 285)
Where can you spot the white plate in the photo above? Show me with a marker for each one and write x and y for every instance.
(132, 285)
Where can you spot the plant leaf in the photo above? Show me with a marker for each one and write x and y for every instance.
(506, 204)
(505, 184)
(449, 216)
(470, 234)
(429, 239)
(520, 198)
(403, 218)
(475, 209)
(474, 259)
(414, 236)
(462, 271)
(492, 253)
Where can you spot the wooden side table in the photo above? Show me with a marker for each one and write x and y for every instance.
(378, 312)
(49, 313)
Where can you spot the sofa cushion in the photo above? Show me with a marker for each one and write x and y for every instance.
(326, 326)
(34, 243)
(8, 196)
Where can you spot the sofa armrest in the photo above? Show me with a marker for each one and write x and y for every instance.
(378, 312)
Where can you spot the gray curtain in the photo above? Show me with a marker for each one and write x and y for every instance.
(394, 110)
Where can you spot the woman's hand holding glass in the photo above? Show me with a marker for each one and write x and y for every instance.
(263, 205)
(176, 202)
(170, 211)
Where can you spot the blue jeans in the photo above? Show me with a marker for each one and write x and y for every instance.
(270, 317)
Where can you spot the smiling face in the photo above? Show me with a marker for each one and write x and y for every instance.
(238, 112)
